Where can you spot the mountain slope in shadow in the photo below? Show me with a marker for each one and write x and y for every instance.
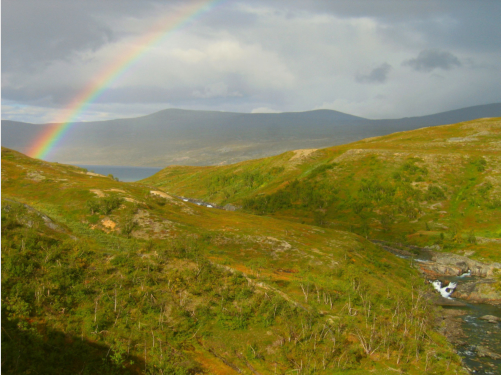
(188, 137)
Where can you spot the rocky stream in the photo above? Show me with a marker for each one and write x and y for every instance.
(470, 297)
(468, 292)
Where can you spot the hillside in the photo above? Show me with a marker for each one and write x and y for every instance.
(187, 137)
(101, 276)
(437, 186)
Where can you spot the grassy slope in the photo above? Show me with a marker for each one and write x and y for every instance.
(194, 290)
(438, 185)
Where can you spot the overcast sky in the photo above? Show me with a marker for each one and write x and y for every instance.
(376, 59)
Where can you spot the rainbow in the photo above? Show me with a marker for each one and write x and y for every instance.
(55, 132)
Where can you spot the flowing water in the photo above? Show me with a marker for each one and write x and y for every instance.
(481, 333)
(478, 332)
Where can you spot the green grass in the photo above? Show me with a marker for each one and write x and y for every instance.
(193, 290)
(446, 178)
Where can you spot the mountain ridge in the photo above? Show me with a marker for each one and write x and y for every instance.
(481, 107)
(188, 137)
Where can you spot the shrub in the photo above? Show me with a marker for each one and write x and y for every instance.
(128, 224)
(472, 238)
(94, 206)
(434, 193)
(104, 205)
(108, 204)
(479, 163)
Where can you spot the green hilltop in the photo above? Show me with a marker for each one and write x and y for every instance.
(101, 276)
(437, 186)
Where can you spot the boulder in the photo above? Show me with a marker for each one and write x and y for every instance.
(491, 318)
(485, 291)
(449, 324)
(483, 351)
(435, 270)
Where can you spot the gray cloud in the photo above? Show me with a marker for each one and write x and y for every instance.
(248, 55)
(377, 75)
(431, 59)
(34, 34)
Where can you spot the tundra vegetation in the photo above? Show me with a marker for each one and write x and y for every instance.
(438, 186)
(101, 276)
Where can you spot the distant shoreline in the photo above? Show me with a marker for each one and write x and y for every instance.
(122, 172)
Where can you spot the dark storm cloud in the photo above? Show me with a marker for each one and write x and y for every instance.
(377, 75)
(431, 59)
(36, 33)
(246, 55)
(469, 25)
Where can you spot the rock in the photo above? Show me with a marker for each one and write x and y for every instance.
(438, 300)
(491, 318)
(161, 194)
(393, 249)
(450, 325)
(230, 207)
(441, 263)
(47, 220)
(434, 247)
(483, 351)
(485, 291)
(435, 270)
(447, 264)
(462, 264)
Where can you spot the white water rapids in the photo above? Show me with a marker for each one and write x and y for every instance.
(467, 274)
(445, 291)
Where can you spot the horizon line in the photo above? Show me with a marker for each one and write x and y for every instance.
(249, 113)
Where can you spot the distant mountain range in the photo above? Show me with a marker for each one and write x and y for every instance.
(187, 137)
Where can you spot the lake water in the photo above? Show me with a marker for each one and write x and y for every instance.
(124, 173)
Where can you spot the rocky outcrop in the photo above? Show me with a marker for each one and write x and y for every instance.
(483, 351)
(464, 264)
(491, 318)
(447, 264)
(449, 323)
(435, 270)
(484, 291)
(30, 210)
(436, 265)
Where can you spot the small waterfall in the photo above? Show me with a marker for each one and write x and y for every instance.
(444, 291)
(466, 274)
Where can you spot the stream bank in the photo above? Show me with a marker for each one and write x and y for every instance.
(198, 202)
(470, 298)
